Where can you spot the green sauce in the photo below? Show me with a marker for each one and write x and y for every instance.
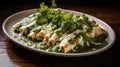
(50, 29)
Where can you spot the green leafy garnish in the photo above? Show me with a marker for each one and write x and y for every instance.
(53, 4)
(53, 30)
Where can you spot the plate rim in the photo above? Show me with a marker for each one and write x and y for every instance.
(60, 54)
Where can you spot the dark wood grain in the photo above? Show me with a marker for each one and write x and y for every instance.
(12, 55)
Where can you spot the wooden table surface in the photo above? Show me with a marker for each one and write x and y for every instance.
(12, 55)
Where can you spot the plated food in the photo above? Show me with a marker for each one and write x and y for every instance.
(54, 30)
(59, 32)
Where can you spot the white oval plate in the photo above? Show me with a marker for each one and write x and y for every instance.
(10, 21)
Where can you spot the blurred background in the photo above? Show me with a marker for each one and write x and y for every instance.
(106, 10)
(62, 2)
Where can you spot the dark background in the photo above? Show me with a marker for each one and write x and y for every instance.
(107, 10)
(62, 2)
